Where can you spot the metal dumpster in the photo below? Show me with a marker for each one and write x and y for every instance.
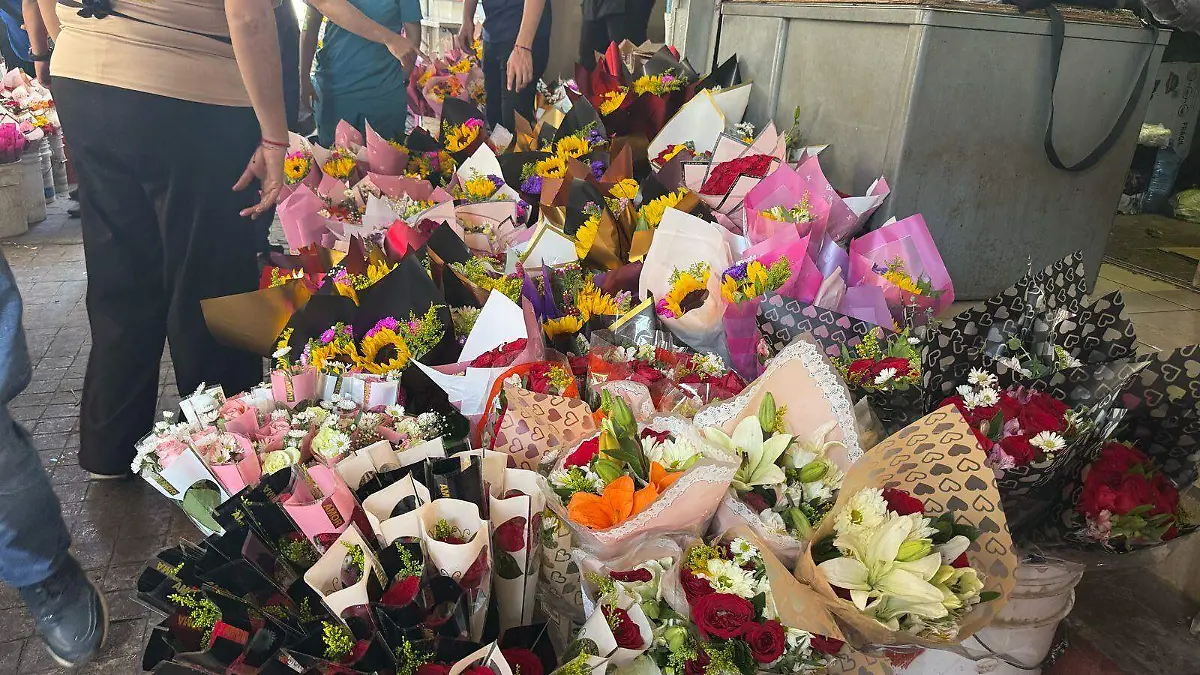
(950, 103)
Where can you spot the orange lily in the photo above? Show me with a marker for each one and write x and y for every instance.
(620, 501)
(662, 479)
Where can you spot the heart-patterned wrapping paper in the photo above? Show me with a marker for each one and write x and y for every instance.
(782, 319)
(937, 460)
(1164, 413)
(536, 427)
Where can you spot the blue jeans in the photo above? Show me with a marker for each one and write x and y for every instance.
(33, 536)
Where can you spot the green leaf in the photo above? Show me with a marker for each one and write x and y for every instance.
(200, 500)
(825, 550)
(1139, 510)
(506, 565)
(988, 596)
(968, 531)
(760, 603)
(996, 425)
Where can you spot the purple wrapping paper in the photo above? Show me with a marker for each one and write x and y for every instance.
(908, 240)
(742, 337)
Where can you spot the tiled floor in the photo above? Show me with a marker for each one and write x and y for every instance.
(117, 526)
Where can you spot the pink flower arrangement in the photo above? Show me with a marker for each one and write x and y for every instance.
(12, 143)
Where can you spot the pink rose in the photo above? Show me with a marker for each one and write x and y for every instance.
(169, 450)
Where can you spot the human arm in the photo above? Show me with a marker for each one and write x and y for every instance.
(39, 45)
(466, 34)
(308, 51)
(349, 17)
(520, 63)
(50, 17)
(256, 48)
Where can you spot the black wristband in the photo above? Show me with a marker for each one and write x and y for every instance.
(38, 57)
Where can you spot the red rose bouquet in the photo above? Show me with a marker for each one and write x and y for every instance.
(1125, 502)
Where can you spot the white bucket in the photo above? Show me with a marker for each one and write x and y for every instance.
(1022, 634)
(58, 163)
(12, 201)
(44, 156)
(32, 186)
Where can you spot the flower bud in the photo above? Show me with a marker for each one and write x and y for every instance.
(766, 413)
(675, 636)
(650, 609)
(800, 523)
(608, 470)
(914, 549)
(814, 471)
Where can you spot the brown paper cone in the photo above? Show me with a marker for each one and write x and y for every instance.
(608, 250)
(253, 321)
(937, 460)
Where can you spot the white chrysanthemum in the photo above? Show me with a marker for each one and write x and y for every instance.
(1048, 442)
(743, 551)
(884, 376)
(281, 352)
(773, 521)
(822, 489)
(979, 377)
(674, 454)
(395, 411)
(988, 397)
(865, 510)
(330, 443)
(965, 390)
(726, 576)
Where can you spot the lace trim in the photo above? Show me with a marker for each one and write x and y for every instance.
(776, 541)
(821, 371)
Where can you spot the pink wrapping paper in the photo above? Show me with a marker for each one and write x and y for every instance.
(346, 136)
(869, 304)
(403, 186)
(291, 389)
(427, 92)
(742, 336)
(382, 158)
(325, 512)
(301, 220)
(235, 477)
(401, 239)
(832, 214)
(908, 240)
(270, 436)
(244, 424)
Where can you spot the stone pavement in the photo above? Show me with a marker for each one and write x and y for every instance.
(117, 526)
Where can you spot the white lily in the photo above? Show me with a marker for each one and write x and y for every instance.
(870, 569)
(758, 455)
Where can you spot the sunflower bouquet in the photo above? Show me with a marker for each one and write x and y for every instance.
(341, 164)
(477, 188)
(650, 213)
(297, 165)
(688, 290)
(901, 259)
(460, 140)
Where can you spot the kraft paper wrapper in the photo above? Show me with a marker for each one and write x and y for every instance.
(798, 606)
(937, 460)
(253, 321)
(536, 427)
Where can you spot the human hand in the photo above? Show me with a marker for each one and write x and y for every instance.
(308, 93)
(520, 68)
(266, 164)
(404, 51)
(466, 37)
(41, 70)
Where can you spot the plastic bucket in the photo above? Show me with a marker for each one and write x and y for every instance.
(12, 201)
(32, 186)
(44, 156)
(58, 164)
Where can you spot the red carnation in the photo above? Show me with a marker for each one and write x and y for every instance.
(901, 502)
(766, 640)
(645, 373)
(721, 615)
(825, 645)
(624, 629)
(584, 454)
(523, 661)
(859, 370)
(694, 587)
(900, 365)
(402, 592)
(640, 574)
(510, 535)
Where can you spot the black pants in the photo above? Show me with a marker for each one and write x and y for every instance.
(502, 103)
(161, 231)
(596, 34)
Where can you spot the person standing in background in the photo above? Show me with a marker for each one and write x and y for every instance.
(173, 109)
(362, 63)
(516, 47)
(608, 21)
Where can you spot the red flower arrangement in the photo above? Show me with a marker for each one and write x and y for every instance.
(501, 356)
(1017, 426)
(725, 174)
(1126, 501)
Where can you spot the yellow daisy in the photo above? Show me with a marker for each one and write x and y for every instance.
(611, 100)
(553, 166)
(384, 351)
(626, 188)
(567, 325)
(585, 236)
(592, 301)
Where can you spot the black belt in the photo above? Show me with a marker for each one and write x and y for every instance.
(100, 9)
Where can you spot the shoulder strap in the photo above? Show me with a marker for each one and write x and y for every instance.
(1057, 30)
(100, 9)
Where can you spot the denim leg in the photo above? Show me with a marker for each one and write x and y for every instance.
(33, 536)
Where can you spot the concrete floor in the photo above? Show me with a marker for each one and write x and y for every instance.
(1126, 622)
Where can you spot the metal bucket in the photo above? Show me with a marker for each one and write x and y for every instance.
(32, 186)
(1021, 636)
(44, 156)
(58, 164)
(12, 201)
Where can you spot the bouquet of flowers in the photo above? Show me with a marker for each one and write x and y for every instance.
(902, 259)
(736, 166)
(1125, 503)
(885, 369)
(804, 195)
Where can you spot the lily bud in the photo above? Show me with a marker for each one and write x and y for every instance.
(650, 609)
(608, 470)
(675, 637)
(766, 413)
(800, 523)
(914, 549)
(814, 471)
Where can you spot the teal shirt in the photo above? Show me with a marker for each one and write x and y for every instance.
(357, 79)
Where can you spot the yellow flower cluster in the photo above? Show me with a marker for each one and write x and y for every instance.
(460, 137)
(340, 166)
(478, 188)
(585, 236)
(296, 167)
(610, 101)
(626, 188)
(652, 212)
(554, 166)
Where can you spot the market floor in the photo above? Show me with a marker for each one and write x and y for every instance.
(1125, 623)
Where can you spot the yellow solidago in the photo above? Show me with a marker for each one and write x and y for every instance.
(898, 275)
(611, 100)
(651, 213)
(567, 325)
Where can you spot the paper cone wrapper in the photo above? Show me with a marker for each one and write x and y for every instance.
(382, 157)
(596, 629)
(203, 407)
(246, 423)
(372, 391)
(322, 575)
(733, 514)
(289, 389)
(559, 575)
(455, 560)
(330, 511)
(515, 577)
(937, 460)
(236, 476)
(537, 427)
(185, 473)
(495, 661)
(379, 506)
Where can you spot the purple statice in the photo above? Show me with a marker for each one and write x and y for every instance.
(594, 138)
(522, 209)
(738, 271)
(497, 181)
(532, 185)
(598, 169)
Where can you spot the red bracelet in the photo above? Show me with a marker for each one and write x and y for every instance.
(274, 144)
(522, 47)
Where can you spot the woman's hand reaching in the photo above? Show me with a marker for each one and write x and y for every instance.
(266, 164)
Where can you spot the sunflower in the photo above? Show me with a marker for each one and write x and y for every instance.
(296, 167)
(378, 270)
(677, 300)
(460, 138)
(477, 49)
(592, 301)
(586, 235)
(425, 76)
(572, 147)
(756, 273)
(611, 100)
(339, 354)
(460, 68)
(567, 325)
(478, 188)
(418, 167)
(729, 288)
(626, 188)
(553, 166)
(652, 212)
(340, 167)
(384, 351)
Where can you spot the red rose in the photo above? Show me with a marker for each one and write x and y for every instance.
(473, 577)
(402, 592)
(1096, 497)
(640, 574)
(1118, 457)
(825, 645)
(730, 382)
(859, 370)
(624, 629)
(523, 661)
(698, 665)
(1035, 420)
(1019, 449)
(960, 562)
(901, 502)
(765, 639)
(584, 454)
(1010, 405)
(501, 356)
(510, 535)
(1050, 404)
(479, 670)
(1166, 495)
(432, 669)
(900, 365)
(539, 378)
(645, 373)
(579, 365)
(721, 615)
(658, 436)
(725, 174)
(694, 587)
(1135, 491)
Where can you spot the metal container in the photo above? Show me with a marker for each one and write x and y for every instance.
(951, 106)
